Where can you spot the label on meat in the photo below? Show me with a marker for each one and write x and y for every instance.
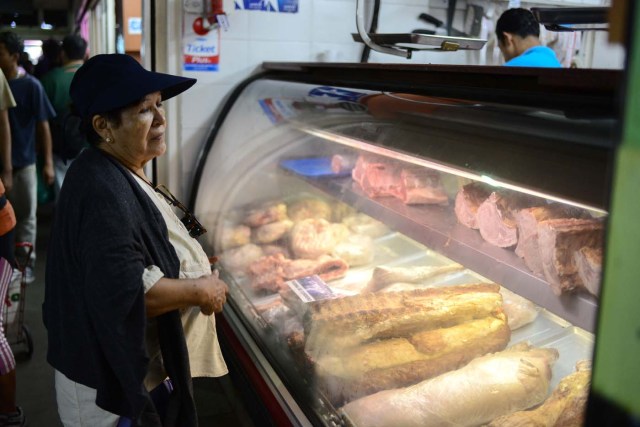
(310, 288)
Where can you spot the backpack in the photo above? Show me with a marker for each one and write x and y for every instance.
(67, 137)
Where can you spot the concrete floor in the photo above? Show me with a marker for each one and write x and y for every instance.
(217, 401)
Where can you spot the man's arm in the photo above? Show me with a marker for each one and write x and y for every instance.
(43, 133)
(5, 151)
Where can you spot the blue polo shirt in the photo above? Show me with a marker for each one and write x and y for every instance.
(32, 106)
(537, 56)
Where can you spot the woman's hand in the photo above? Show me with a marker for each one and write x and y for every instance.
(207, 292)
(214, 293)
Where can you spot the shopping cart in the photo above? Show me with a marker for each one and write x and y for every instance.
(15, 330)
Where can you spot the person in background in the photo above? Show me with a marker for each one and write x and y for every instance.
(29, 124)
(518, 35)
(126, 280)
(25, 63)
(56, 84)
(10, 413)
(49, 59)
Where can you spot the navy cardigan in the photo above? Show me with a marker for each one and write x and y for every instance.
(106, 230)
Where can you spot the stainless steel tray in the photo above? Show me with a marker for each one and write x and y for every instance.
(415, 41)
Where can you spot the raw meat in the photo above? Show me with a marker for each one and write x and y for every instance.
(419, 186)
(342, 163)
(520, 311)
(364, 224)
(237, 260)
(495, 218)
(355, 250)
(310, 207)
(488, 387)
(311, 238)
(356, 319)
(559, 239)
(233, 236)
(384, 276)
(468, 199)
(264, 214)
(269, 273)
(589, 264)
(398, 362)
(326, 267)
(565, 407)
(271, 232)
(527, 222)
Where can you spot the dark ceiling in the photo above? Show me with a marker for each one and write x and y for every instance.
(28, 15)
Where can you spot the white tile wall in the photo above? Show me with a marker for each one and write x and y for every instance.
(269, 50)
(319, 32)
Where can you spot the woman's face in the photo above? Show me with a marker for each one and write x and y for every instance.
(140, 135)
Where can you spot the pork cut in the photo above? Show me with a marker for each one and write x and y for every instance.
(420, 186)
(468, 199)
(566, 407)
(589, 264)
(354, 372)
(527, 223)
(495, 217)
(488, 387)
(558, 240)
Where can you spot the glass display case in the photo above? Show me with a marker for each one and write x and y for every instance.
(413, 245)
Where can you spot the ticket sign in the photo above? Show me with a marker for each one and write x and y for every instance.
(201, 53)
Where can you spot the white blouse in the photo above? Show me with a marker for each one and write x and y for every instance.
(205, 356)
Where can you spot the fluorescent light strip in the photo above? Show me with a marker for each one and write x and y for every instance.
(365, 146)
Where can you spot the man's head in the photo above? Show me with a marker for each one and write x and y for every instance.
(74, 48)
(517, 30)
(11, 47)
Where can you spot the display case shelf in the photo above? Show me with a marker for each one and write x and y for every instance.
(437, 228)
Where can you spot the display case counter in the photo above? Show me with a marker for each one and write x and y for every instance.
(388, 232)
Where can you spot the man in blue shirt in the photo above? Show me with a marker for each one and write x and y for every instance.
(518, 35)
(29, 122)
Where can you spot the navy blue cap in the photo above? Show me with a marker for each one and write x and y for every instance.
(111, 81)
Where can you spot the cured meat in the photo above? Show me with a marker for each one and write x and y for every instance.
(527, 221)
(399, 362)
(565, 407)
(468, 199)
(264, 214)
(486, 388)
(559, 239)
(310, 207)
(311, 238)
(356, 319)
(589, 264)
(237, 260)
(495, 218)
(419, 186)
(271, 232)
(384, 276)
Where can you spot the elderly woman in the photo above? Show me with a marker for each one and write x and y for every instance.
(126, 280)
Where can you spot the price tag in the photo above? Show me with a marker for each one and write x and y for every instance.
(223, 21)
